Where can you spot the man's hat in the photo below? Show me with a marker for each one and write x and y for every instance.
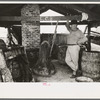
(73, 22)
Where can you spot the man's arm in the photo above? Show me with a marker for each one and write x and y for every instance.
(68, 26)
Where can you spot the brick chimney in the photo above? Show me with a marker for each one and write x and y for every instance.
(31, 31)
(30, 27)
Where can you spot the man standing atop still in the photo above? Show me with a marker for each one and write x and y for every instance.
(74, 40)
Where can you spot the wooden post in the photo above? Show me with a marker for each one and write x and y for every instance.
(89, 39)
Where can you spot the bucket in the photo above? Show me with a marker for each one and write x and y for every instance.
(91, 64)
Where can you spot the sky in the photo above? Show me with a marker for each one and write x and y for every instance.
(3, 32)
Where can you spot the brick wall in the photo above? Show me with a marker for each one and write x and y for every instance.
(30, 29)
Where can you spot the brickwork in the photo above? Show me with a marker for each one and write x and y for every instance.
(30, 29)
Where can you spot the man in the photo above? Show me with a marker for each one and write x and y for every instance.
(74, 40)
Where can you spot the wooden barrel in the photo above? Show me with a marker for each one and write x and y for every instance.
(62, 54)
(91, 64)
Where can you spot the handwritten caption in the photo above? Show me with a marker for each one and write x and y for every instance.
(46, 84)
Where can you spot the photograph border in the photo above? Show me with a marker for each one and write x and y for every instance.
(5, 87)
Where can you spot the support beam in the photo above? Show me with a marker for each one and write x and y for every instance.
(60, 18)
(61, 23)
(43, 18)
(52, 23)
(89, 39)
(10, 18)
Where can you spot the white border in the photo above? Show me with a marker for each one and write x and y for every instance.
(46, 2)
(55, 90)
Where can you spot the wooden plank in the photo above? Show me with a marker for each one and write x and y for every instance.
(61, 18)
(10, 18)
(43, 18)
(60, 23)
(52, 23)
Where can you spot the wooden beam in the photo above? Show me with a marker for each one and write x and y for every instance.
(52, 23)
(62, 23)
(89, 39)
(10, 18)
(43, 18)
(9, 23)
(60, 18)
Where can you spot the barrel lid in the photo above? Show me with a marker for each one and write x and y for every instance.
(83, 79)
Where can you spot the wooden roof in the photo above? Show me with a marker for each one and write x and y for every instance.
(93, 10)
(65, 9)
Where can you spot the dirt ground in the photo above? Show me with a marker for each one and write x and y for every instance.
(63, 74)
